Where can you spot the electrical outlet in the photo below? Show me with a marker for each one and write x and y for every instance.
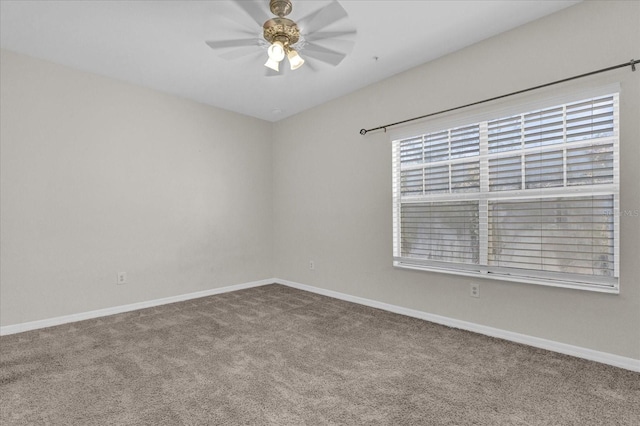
(475, 290)
(122, 278)
(312, 265)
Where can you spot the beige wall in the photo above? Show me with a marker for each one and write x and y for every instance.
(332, 186)
(99, 176)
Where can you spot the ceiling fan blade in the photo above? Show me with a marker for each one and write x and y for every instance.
(309, 65)
(222, 44)
(271, 73)
(240, 52)
(329, 34)
(256, 9)
(323, 54)
(322, 17)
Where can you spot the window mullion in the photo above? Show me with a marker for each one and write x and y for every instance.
(523, 163)
(523, 172)
(564, 145)
(483, 226)
(616, 181)
(397, 204)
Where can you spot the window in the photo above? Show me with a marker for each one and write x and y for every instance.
(523, 197)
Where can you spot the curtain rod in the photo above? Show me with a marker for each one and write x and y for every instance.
(632, 63)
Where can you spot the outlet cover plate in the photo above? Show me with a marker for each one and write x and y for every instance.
(474, 290)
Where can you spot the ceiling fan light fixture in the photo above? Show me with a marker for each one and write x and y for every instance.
(282, 34)
(276, 51)
(274, 65)
(295, 61)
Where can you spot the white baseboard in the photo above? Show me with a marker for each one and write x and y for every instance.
(563, 348)
(34, 325)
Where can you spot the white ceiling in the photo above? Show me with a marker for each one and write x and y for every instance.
(161, 44)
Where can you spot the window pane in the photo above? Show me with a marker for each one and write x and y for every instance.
(590, 165)
(571, 235)
(411, 182)
(590, 119)
(544, 127)
(465, 177)
(436, 179)
(505, 173)
(411, 151)
(436, 146)
(505, 134)
(544, 170)
(465, 141)
(440, 231)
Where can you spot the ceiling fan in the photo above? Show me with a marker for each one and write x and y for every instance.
(283, 37)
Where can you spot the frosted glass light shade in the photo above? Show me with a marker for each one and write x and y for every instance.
(294, 59)
(276, 51)
(274, 65)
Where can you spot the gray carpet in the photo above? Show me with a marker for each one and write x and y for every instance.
(274, 355)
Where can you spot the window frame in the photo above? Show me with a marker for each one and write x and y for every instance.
(483, 116)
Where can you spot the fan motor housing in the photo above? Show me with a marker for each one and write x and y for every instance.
(277, 29)
(280, 8)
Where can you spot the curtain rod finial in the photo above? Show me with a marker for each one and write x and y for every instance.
(363, 132)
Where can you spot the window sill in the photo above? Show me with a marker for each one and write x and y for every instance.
(599, 288)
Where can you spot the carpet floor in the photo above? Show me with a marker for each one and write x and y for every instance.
(274, 355)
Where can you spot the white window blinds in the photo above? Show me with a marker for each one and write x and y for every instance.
(527, 197)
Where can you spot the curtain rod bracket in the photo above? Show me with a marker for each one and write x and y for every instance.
(633, 64)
